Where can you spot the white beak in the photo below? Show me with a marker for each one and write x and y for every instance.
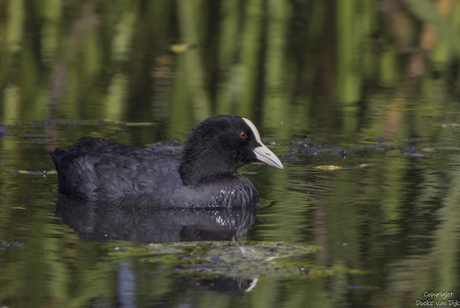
(263, 153)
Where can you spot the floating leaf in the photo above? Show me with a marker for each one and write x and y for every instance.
(332, 167)
(364, 165)
(179, 48)
(328, 167)
(155, 245)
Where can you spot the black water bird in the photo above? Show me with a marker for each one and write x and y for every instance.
(205, 176)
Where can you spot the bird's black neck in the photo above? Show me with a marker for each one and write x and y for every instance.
(200, 172)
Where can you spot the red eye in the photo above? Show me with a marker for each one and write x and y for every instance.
(243, 135)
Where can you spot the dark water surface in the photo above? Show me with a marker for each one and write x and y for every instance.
(363, 222)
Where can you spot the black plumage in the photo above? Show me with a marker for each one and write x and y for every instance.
(206, 174)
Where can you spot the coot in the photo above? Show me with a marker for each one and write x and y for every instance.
(205, 176)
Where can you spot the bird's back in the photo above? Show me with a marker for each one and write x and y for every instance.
(95, 168)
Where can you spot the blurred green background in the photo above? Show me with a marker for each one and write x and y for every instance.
(301, 62)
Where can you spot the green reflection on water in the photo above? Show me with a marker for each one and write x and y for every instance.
(341, 73)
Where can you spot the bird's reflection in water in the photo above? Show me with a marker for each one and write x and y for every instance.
(136, 221)
(139, 221)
